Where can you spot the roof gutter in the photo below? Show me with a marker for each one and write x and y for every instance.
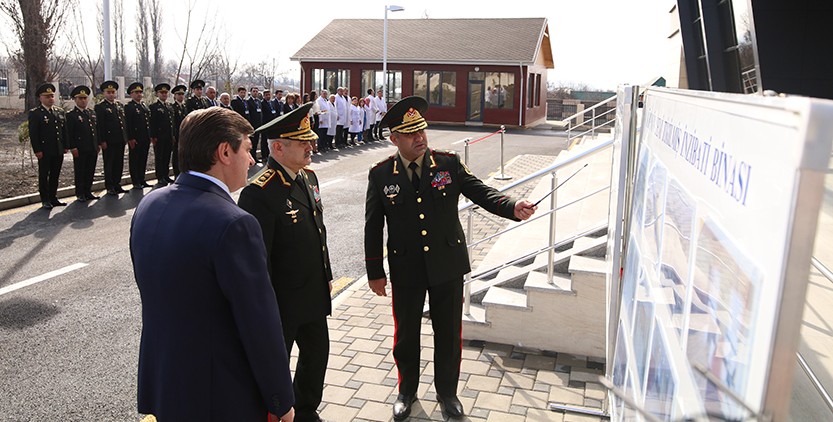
(523, 103)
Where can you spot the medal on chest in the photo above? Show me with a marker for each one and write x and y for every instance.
(440, 181)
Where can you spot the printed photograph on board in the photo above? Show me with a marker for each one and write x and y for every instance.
(652, 223)
(638, 202)
(620, 364)
(660, 385)
(676, 245)
(631, 275)
(642, 326)
(723, 309)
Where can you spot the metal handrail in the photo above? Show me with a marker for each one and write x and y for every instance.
(815, 381)
(603, 102)
(553, 167)
(593, 129)
(612, 110)
(822, 268)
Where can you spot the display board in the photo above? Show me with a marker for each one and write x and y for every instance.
(726, 189)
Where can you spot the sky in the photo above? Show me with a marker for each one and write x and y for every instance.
(600, 43)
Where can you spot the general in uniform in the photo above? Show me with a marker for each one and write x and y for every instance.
(137, 116)
(162, 133)
(180, 110)
(416, 192)
(197, 101)
(47, 133)
(286, 201)
(82, 140)
(112, 137)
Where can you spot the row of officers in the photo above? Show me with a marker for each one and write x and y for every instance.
(108, 128)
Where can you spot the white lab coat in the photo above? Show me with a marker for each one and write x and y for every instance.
(343, 109)
(324, 109)
(356, 119)
(369, 115)
(381, 107)
(331, 131)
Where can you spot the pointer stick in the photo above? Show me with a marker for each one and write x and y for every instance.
(559, 185)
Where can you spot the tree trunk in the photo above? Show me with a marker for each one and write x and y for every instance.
(34, 49)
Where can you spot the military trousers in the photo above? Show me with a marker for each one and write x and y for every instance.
(313, 341)
(113, 164)
(446, 311)
(84, 167)
(162, 159)
(138, 162)
(49, 170)
(175, 157)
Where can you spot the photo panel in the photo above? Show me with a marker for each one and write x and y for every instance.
(674, 273)
(660, 385)
(652, 223)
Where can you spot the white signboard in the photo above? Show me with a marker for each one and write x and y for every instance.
(724, 185)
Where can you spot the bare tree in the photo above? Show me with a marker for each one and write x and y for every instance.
(120, 62)
(90, 62)
(142, 40)
(224, 66)
(199, 44)
(155, 14)
(36, 24)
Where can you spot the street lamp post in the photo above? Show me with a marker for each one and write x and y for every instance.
(391, 8)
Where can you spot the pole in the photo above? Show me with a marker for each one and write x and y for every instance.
(551, 255)
(502, 175)
(469, 239)
(385, 56)
(105, 25)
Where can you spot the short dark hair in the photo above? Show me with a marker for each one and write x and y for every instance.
(241, 88)
(369, 90)
(203, 131)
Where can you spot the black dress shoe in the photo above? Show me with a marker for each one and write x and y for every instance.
(120, 190)
(112, 192)
(402, 406)
(451, 406)
(56, 203)
(91, 197)
(46, 205)
(81, 198)
(169, 180)
(146, 185)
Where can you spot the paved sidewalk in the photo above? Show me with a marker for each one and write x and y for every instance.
(498, 382)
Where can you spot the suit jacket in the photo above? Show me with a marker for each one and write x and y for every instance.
(82, 130)
(137, 116)
(278, 106)
(269, 113)
(47, 130)
(212, 345)
(292, 221)
(161, 121)
(287, 108)
(226, 106)
(424, 233)
(110, 118)
(255, 112)
(241, 106)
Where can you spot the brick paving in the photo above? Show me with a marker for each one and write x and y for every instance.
(498, 382)
(485, 223)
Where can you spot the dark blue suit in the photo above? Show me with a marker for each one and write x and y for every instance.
(212, 344)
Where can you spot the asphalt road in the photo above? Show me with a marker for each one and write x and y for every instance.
(69, 343)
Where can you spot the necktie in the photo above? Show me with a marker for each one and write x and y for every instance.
(415, 177)
(299, 180)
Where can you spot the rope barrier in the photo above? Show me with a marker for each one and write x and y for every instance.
(487, 136)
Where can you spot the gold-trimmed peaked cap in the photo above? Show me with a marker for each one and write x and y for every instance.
(163, 87)
(80, 91)
(135, 86)
(197, 83)
(45, 89)
(406, 115)
(180, 89)
(109, 85)
(293, 125)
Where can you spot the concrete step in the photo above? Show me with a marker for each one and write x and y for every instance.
(476, 315)
(513, 277)
(590, 246)
(538, 281)
(505, 298)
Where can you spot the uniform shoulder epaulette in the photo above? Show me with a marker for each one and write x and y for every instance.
(264, 177)
(445, 152)
(34, 109)
(308, 170)
(373, 167)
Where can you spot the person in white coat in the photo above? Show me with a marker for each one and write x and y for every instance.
(342, 108)
(333, 121)
(370, 122)
(381, 109)
(323, 105)
(356, 115)
(369, 119)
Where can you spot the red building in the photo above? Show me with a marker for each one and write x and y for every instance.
(471, 71)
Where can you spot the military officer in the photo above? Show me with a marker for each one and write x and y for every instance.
(197, 101)
(112, 136)
(47, 132)
(162, 133)
(286, 201)
(180, 110)
(82, 140)
(137, 117)
(416, 192)
(268, 114)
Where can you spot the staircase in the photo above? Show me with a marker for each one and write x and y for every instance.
(517, 305)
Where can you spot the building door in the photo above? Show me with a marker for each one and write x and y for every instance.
(475, 103)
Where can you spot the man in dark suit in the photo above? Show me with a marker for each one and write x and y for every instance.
(416, 192)
(137, 119)
(286, 201)
(180, 110)
(197, 101)
(268, 113)
(47, 132)
(212, 345)
(256, 119)
(82, 141)
(239, 103)
(112, 137)
(278, 102)
(162, 133)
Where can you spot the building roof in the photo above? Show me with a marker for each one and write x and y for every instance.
(432, 41)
